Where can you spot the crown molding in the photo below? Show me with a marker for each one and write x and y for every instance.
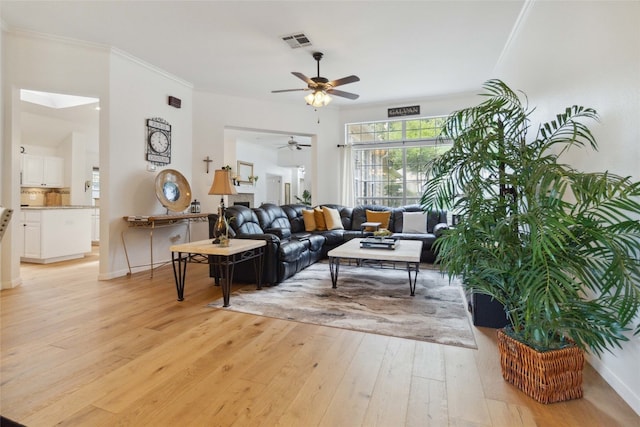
(58, 39)
(95, 46)
(151, 67)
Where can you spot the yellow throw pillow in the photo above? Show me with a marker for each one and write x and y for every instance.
(382, 217)
(321, 225)
(332, 218)
(309, 218)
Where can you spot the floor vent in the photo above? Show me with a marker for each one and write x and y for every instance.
(296, 40)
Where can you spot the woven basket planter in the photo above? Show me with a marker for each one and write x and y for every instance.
(550, 376)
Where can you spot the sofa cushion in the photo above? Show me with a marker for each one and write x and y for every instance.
(345, 214)
(292, 250)
(309, 218)
(378, 216)
(272, 216)
(333, 237)
(332, 218)
(319, 217)
(414, 222)
(244, 220)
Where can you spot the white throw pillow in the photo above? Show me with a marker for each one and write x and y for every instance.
(414, 222)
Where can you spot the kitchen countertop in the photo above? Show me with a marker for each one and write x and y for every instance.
(57, 207)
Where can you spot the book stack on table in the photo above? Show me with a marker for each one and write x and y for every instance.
(378, 243)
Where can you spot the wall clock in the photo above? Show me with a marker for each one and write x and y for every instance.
(158, 144)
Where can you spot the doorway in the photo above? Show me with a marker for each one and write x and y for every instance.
(274, 189)
(66, 128)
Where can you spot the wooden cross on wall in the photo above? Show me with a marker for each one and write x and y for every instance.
(207, 161)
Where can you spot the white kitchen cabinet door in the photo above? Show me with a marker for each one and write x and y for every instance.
(32, 170)
(31, 236)
(42, 171)
(53, 171)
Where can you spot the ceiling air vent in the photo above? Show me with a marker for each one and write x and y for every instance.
(296, 40)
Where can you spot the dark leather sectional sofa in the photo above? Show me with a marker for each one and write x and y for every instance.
(290, 248)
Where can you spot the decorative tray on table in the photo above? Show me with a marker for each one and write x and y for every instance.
(378, 243)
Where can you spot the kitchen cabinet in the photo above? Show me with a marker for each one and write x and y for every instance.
(42, 171)
(30, 235)
(95, 226)
(55, 234)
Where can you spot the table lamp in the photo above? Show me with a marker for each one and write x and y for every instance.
(221, 186)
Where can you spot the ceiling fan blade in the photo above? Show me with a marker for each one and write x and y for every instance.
(343, 94)
(344, 81)
(302, 77)
(287, 90)
(303, 145)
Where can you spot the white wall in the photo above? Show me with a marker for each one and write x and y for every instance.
(139, 92)
(265, 161)
(596, 63)
(211, 113)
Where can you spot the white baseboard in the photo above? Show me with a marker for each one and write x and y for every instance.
(627, 394)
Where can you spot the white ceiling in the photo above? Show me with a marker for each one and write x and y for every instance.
(401, 50)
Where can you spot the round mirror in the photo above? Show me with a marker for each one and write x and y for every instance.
(173, 190)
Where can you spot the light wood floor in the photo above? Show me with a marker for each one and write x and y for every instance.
(80, 352)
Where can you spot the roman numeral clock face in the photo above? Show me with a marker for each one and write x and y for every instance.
(158, 141)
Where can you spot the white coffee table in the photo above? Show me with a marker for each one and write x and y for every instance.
(406, 251)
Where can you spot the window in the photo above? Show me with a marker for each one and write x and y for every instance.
(391, 157)
(95, 184)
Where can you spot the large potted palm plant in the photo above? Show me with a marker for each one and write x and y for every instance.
(559, 248)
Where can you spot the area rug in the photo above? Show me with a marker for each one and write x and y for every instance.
(367, 299)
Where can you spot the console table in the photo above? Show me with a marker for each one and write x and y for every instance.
(223, 257)
(151, 222)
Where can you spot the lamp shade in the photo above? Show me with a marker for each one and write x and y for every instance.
(222, 183)
(318, 98)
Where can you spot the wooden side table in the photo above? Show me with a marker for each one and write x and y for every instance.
(224, 257)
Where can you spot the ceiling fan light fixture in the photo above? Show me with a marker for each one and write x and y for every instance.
(318, 98)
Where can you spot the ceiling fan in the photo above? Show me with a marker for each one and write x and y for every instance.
(293, 144)
(322, 87)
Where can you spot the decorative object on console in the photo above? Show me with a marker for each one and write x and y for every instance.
(158, 141)
(173, 190)
(221, 186)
